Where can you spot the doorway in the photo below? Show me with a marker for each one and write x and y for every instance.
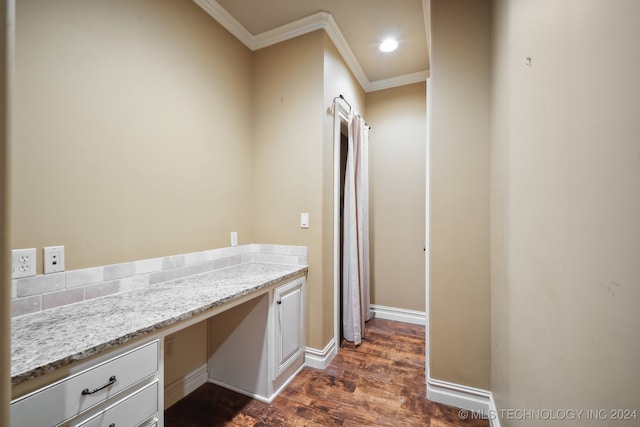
(344, 141)
(352, 224)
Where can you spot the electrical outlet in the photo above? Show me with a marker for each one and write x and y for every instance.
(23, 263)
(53, 259)
(234, 238)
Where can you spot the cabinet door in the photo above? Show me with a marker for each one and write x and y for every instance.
(289, 324)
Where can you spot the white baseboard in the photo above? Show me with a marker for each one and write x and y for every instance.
(255, 396)
(399, 314)
(183, 386)
(261, 398)
(320, 359)
(286, 383)
(473, 402)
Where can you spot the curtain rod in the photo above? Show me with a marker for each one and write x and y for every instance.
(350, 107)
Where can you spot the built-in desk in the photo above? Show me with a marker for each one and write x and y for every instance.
(82, 342)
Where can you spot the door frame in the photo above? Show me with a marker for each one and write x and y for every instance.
(427, 237)
(340, 116)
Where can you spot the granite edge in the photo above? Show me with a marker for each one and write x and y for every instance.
(30, 374)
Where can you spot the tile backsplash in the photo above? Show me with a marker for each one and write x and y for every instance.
(42, 292)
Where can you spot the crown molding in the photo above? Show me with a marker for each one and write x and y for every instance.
(407, 79)
(225, 19)
(309, 24)
(317, 21)
(334, 33)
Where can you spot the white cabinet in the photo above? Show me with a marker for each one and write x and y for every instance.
(135, 408)
(257, 347)
(288, 328)
(124, 385)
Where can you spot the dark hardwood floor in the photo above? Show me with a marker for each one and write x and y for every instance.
(379, 383)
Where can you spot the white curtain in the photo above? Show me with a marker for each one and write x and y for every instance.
(355, 276)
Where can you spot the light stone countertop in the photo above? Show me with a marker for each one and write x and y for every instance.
(48, 340)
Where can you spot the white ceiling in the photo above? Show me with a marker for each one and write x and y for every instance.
(355, 26)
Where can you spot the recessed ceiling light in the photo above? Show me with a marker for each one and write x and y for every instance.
(388, 45)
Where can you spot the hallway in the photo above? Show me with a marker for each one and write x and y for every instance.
(379, 383)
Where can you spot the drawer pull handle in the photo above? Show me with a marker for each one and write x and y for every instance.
(112, 381)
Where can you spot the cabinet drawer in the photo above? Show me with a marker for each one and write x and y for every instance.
(64, 399)
(128, 412)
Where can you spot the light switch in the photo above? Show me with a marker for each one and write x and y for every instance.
(304, 220)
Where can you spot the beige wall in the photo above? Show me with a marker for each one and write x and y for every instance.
(397, 156)
(189, 351)
(6, 37)
(132, 134)
(287, 157)
(565, 239)
(459, 205)
(132, 130)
